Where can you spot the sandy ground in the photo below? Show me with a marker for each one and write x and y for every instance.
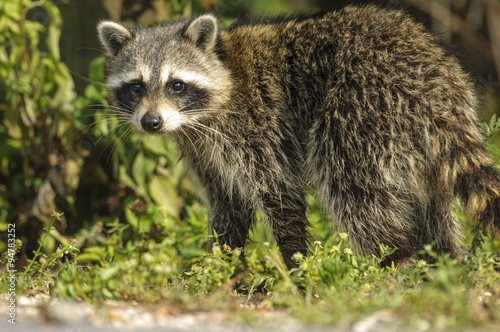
(41, 313)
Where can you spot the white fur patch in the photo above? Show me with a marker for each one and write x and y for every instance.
(187, 76)
(117, 80)
(171, 119)
(142, 73)
(165, 73)
(136, 118)
(192, 77)
(145, 72)
(168, 73)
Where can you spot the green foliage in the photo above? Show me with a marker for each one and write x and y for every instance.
(491, 130)
(35, 266)
(330, 286)
(38, 165)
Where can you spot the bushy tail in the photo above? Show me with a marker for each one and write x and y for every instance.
(479, 188)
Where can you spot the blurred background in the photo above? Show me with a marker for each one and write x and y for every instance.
(61, 151)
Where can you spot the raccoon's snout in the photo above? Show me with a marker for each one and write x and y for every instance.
(152, 123)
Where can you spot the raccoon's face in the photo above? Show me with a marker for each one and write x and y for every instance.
(165, 77)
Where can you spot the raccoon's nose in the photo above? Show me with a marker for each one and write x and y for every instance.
(151, 122)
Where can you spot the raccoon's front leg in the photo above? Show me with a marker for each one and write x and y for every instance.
(230, 217)
(286, 215)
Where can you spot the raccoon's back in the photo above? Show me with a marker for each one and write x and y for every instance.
(365, 87)
(381, 58)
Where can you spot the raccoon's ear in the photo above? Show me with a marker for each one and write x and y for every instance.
(202, 31)
(113, 36)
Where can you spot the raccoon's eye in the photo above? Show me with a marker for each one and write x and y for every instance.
(137, 89)
(177, 86)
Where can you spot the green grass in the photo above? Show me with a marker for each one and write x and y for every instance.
(167, 264)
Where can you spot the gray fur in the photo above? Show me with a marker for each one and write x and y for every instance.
(360, 104)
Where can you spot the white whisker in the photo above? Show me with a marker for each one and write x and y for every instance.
(208, 111)
(210, 129)
(186, 135)
(80, 76)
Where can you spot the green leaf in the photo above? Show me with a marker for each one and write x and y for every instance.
(88, 257)
(96, 69)
(142, 168)
(58, 237)
(138, 169)
(493, 121)
(54, 28)
(49, 245)
(165, 194)
(107, 273)
(92, 92)
(155, 144)
(126, 179)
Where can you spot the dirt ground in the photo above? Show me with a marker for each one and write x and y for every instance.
(41, 313)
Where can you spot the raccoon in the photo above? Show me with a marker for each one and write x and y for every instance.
(361, 105)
